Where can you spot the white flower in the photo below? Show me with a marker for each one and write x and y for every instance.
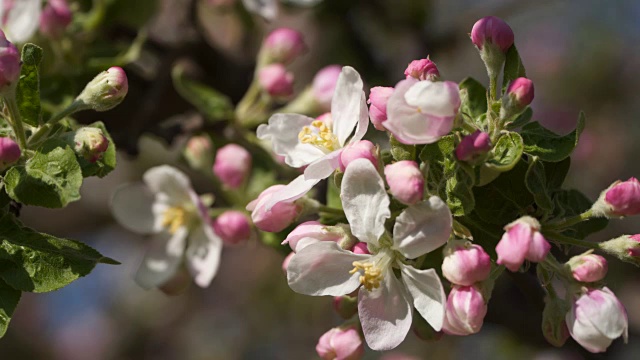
(166, 206)
(317, 144)
(20, 18)
(384, 301)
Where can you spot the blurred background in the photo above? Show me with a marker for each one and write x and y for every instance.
(581, 55)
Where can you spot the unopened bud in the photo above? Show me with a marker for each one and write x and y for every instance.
(518, 96)
(588, 267)
(625, 248)
(282, 45)
(277, 217)
(232, 165)
(423, 69)
(361, 248)
(363, 149)
(465, 263)
(199, 152)
(324, 84)
(90, 143)
(55, 18)
(9, 152)
(276, 81)
(378, 98)
(522, 241)
(346, 306)
(233, 227)
(406, 182)
(554, 327)
(340, 343)
(492, 31)
(621, 199)
(473, 147)
(9, 64)
(310, 232)
(106, 90)
(465, 311)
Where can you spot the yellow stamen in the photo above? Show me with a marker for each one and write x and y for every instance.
(319, 135)
(372, 274)
(173, 219)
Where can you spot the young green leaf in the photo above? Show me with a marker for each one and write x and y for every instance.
(536, 181)
(42, 262)
(474, 98)
(9, 298)
(513, 67)
(548, 146)
(52, 178)
(401, 151)
(519, 120)
(212, 104)
(506, 153)
(28, 90)
(459, 190)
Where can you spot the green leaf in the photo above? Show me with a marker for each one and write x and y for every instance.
(459, 193)
(52, 178)
(212, 104)
(9, 298)
(556, 172)
(513, 67)
(536, 181)
(506, 153)
(28, 90)
(484, 233)
(572, 202)
(474, 98)
(104, 165)
(41, 262)
(550, 147)
(519, 120)
(401, 151)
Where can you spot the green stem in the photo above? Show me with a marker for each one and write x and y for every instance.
(331, 210)
(569, 240)
(16, 119)
(44, 130)
(565, 223)
(493, 87)
(245, 104)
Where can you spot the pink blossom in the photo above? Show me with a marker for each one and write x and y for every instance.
(309, 232)
(232, 165)
(233, 227)
(340, 344)
(278, 216)
(588, 267)
(283, 45)
(406, 182)
(9, 63)
(422, 69)
(623, 198)
(466, 264)
(276, 80)
(378, 98)
(55, 18)
(473, 146)
(9, 152)
(492, 30)
(522, 241)
(324, 84)
(465, 311)
(363, 149)
(521, 90)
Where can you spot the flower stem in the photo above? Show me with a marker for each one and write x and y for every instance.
(569, 240)
(330, 210)
(565, 223)
(16, 119)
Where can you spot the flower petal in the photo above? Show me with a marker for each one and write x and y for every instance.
(22, 19)
(171, 182)
(363, 121)
(385, 314)
(323, 167)
(268, 9)
(294, 190)
(163, 259)
(605, 312)
(346, 104)
(422, 228)
(428, 294)
(440, 99)
(323, 269)
(131, 205)
(203, 254)
(365, 201)
(283, 130)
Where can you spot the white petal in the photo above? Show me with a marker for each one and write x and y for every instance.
(364, 200)
(363, 121)
(283, 130)
(607, 315)
(22, 20)
(346, 103)
(268, 9)
(585, 334)
(323, 269)
(323, 167)
(385, 314)
(294, 190)
(131, 205)
(434, 98)
(162, 260)
(169, 181)
(428, 294)
(422, 228)
(203, 254)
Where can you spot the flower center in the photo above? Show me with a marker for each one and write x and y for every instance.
(320, 136)
(174, 218)
(372, 269)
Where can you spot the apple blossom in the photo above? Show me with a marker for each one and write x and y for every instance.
(341, 343)
(278, 215)
(363, 149)
(324, 85)
(473, 146)
(233, 227)
(522, 241)
(9, 64)
(422, 69)
(465, 311)
(621, 199)
(9, 152)
(20, 18)
(378, 98)
(588, 267)
(276, 81)
(465, 263)
(406, 182)
(232, 165)
(55, 18)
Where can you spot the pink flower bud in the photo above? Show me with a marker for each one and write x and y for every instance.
(340, 344)
(324, 84)
(473, 146)
(278, 217)
(378, 98)
(199, 152)
(588, 267)
(346, 306)
(310, 232)
(625, 248)
(423, 69)
(492, 30)
(635, 250)
(406, 182)
(90, 143)
(9, 64)
(55, 18)
(361, 248)
(623, 198)
(276, 80)
(465, 263)
(283, 45)
(465, 311)
(106, 90)
(520, 91)
(522, 241)
(9, 152)
(232, 165)
(363, 149)
(596, 319)
(232, 227)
